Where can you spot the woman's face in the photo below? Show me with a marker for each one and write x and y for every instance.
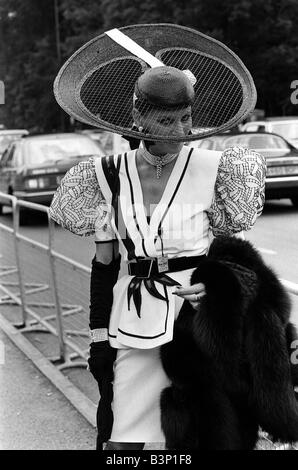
(176, 123)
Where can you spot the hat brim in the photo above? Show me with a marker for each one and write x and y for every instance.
(96, 84)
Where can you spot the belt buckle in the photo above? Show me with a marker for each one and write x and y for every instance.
(149, 270)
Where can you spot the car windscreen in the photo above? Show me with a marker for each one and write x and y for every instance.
(289, 130)
(256, 141)
(6, 139)
(210, 143)
(268, 145)
(42, 151)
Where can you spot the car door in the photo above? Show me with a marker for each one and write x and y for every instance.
(7, 170)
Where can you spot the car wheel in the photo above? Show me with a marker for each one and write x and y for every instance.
(295, 201)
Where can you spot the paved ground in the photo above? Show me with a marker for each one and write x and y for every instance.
(34, 415)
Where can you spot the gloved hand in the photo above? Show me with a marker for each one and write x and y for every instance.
(102, 357)
(101, 360)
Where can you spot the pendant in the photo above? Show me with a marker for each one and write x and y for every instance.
(162, 264)
(158, 170)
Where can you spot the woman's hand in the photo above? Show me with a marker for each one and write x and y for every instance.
(192, 293)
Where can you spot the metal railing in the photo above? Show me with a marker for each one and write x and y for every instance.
(35, 278)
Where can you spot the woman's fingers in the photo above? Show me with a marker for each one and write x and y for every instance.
(192, 297)
(194, 289)
(192, 293)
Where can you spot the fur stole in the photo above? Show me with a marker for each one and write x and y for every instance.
(229, 362)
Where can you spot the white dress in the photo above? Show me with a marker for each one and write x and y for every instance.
(207, 191)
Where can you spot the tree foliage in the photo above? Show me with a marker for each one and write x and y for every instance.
(33, 45)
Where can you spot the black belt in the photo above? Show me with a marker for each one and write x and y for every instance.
(147, 267)
(146, 271)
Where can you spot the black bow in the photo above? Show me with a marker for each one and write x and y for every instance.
(134, 289)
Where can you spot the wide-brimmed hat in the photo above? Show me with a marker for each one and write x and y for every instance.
(97, 83)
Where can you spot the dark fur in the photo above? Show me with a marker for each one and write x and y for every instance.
(229, 363)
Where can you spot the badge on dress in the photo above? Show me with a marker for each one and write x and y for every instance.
(162, 264)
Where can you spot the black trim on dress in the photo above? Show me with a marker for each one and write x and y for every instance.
(112, 176)
(133, 205)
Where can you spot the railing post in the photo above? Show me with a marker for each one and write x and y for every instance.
(59, 312)
(16, 225)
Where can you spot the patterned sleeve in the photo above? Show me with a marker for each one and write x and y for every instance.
(239, 193)
(79, 206)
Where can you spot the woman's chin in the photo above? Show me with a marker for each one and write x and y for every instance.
(173, 147)
(176, 149)
(167, 147)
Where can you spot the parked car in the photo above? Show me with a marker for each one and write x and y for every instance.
(10, 135)
(286, 126)
(281, 157)
(32, 167)
(109, 142)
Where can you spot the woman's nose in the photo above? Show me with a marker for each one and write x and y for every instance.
(178, 129)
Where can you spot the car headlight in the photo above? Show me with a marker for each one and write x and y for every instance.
(32, 183)
(41, 182)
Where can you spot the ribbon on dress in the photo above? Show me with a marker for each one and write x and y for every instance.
(134, 289)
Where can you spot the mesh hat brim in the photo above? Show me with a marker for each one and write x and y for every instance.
(96, 84)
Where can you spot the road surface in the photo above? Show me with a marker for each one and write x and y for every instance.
(34, 415)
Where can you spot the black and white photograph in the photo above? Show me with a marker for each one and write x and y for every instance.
(148, 228)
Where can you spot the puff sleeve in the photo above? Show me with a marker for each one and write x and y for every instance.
(79, 206)
(239, 192)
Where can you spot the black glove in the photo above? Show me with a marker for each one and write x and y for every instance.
(102, 355)
(103, 279)
(101, 360)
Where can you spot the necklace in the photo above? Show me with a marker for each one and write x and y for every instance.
(156, 160)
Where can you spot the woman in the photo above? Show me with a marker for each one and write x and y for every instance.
(157, 205)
